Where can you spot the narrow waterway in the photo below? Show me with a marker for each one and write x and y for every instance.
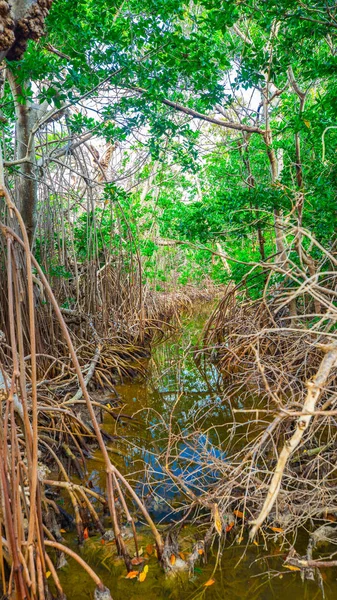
(179, 396)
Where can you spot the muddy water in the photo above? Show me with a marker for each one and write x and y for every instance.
(243, 571)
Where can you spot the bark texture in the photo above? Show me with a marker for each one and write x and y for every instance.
(26, 181)
(20, 21)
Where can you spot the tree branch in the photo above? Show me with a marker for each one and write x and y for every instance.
(315, 387)
(197, 115)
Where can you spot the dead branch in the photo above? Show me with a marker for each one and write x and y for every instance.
(315, 387)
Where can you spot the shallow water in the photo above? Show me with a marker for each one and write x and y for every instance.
(243, 571)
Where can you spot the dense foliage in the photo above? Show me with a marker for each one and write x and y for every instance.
(204, 93)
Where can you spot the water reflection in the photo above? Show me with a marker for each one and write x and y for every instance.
(192, 469)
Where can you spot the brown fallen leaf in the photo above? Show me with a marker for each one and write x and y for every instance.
(149, 549)
(277, 529)
(173, 559)
(229, 526)
(137, 561)
(256, 543)
(86, 533)
(131, 575)
(331, 518)
(200, 551)
(182, 555)
(238, 514)
(63, 531)
(209, 582)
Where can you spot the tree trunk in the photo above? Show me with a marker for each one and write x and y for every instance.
(26, 182)
(251, 184)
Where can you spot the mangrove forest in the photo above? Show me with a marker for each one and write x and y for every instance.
(168, 299)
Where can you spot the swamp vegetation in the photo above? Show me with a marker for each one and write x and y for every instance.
(168, 340)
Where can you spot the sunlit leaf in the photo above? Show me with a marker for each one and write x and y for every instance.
(209, 582)
(48, 574)
(142, 576)
(277, 529)
(173, 559)
(238, 514)
(292, 568)
(217, 519)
